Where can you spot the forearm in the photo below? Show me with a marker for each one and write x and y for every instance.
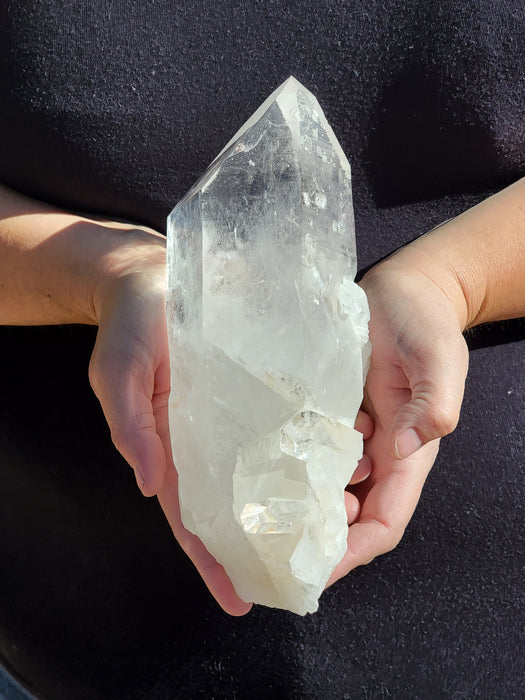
(478, 258)
(54, 265)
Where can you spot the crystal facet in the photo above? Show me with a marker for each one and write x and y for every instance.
(269, 349)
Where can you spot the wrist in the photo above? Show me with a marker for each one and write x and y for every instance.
(421, 262)
(443, 257)
(57, 267)
(133, 258)
(477, 258)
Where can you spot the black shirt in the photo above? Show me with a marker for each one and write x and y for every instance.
(117, 107)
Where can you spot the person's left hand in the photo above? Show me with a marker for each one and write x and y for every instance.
(130, 374)
(413, 393)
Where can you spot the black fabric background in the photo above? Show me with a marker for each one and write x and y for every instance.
(116, 108)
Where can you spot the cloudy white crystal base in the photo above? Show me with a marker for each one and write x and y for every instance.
(269, 349)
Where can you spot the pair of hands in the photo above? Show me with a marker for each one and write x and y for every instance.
(413, 395)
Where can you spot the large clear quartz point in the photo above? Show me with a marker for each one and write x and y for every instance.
(269, 349)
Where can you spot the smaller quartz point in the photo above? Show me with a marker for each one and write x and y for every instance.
(269, 351)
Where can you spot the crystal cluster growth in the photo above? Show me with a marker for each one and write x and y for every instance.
(269, 349)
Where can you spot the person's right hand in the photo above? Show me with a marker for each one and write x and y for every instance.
(59, 267)
(130, 374)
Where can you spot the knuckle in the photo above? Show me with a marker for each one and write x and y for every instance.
(391, 536)
(97, 372)
(119, 439)
(93, 377)
(393, 539)
(444, 420)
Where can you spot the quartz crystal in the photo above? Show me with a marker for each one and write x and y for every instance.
(269, 349)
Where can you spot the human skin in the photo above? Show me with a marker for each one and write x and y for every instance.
(58, 267)
(467, 272)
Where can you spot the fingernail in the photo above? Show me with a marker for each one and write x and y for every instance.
(407, 443)
(362, 471)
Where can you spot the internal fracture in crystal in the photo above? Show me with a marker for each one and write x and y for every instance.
(269, 350)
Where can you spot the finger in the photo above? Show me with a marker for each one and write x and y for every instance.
(212, 573)
(437, 385)
(364, 424)
(125, 392)
(352, 507)
(386, 510)
(363, 470)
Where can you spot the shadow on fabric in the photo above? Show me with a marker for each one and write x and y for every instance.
(426, 140)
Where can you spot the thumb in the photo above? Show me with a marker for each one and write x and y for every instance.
(437, 384)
